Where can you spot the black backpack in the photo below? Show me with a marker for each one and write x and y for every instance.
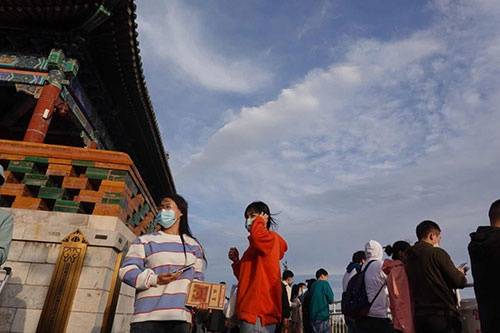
(355, 302)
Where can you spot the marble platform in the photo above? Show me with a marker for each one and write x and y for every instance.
(32, 257)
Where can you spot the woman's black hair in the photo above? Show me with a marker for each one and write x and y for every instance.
(295, 291)
(184, 228)
(310, 282)
(258, 207)
(396, 249)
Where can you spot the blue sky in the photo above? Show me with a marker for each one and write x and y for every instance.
(354, 120)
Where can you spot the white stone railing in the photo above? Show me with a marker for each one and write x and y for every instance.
(337, 321)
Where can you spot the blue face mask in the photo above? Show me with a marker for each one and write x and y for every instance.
(165, 218)
(248, 223)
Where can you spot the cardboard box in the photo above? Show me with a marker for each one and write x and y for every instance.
(213, 294)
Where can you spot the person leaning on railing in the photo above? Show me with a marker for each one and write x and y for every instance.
(6, 226)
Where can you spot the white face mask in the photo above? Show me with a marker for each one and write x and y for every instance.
(248, 223)
(166, 218)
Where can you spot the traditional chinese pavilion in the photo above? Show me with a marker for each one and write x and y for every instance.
(84, 160)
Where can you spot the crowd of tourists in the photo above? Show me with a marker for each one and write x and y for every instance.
(417, 290)
(413, 291)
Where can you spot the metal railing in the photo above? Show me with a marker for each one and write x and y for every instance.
(337, 321)
(338, 324)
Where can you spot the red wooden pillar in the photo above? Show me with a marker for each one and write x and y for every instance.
(42, 115)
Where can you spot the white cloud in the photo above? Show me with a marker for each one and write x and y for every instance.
(177, 34)
(394, 133)
(320, 11)
(341, 112)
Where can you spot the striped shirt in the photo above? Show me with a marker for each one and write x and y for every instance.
(154, 254)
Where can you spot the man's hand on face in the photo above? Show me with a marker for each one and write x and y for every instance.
(233, 255)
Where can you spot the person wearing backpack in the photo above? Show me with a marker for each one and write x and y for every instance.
(377, 319)
(355, 303)
(354, 267)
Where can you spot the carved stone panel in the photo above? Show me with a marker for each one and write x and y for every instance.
(63, 284)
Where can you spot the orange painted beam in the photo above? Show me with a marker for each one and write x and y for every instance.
(63, 152)
(22, 71)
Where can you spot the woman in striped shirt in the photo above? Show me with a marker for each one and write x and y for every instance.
(151, 267)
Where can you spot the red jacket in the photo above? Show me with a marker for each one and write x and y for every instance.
(399, 295)
(259, 276)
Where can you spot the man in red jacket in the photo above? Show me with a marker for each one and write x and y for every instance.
(258, 304)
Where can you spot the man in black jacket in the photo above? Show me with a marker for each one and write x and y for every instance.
(306, 301)
(433, 278)
(484, 251)
(286, 308)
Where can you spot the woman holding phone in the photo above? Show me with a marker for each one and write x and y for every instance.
(258, 302)
(161, 266)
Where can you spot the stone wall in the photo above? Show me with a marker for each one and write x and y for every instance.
(33, 255)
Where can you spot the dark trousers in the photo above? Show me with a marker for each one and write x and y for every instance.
(374, 325)
(160, 327)
(438, 324)
(351, 325)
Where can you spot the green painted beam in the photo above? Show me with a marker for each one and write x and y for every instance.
(82, 163)
(37, 159)
(47, 192)
(21, 166)
(66, 206)
(35, 179)
(97, 173)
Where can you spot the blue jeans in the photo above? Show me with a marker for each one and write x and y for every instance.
(256, 328)
(321, 326)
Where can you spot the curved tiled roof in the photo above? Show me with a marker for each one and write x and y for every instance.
(102, 35)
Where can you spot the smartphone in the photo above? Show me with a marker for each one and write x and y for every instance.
(183, 269)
